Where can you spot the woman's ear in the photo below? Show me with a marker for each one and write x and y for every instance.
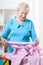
(17, 10)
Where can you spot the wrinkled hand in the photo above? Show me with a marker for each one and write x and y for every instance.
(3, 57)
(4, 41)
(37, 42)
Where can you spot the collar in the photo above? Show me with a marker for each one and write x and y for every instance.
(18, 25)
(22, 24)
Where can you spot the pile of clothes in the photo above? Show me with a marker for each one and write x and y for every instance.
(25, 54)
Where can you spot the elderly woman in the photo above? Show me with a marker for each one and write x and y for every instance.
(20, 28)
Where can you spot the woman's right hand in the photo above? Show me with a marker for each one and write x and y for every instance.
(4, 41)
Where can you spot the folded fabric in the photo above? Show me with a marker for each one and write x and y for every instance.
(25, 54)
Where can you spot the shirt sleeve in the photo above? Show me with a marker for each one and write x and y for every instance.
(33, 33)
(6, 30)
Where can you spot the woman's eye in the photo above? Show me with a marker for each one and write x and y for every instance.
(22, 12)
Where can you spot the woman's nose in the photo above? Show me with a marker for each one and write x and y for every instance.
(23, 15)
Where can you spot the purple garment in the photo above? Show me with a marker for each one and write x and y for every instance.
(25, 54)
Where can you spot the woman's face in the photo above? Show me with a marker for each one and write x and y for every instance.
(22, 13)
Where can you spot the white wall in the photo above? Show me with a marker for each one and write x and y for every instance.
(41, 21)
(11, 4)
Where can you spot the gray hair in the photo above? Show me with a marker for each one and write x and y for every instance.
(23, 5)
